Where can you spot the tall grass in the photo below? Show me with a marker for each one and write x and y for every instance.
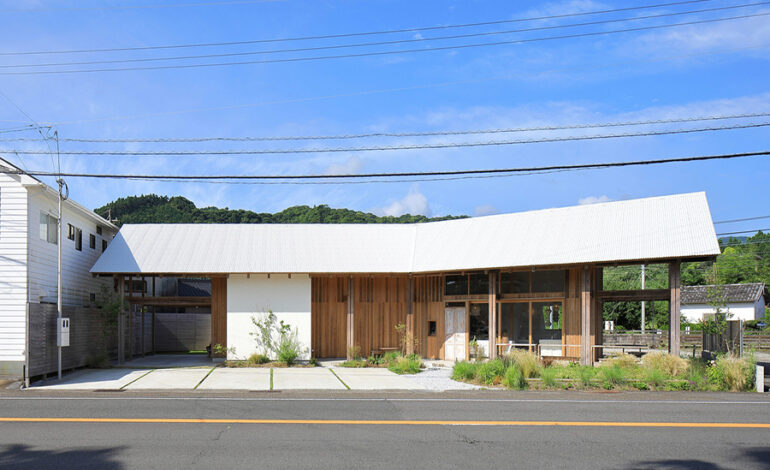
(528, 363)
(731, 373)
(464, 370)
(625, 361)
(405, 365)
(612, 375)
(656, 377)
(514, 379)
(548, 375)
(586, 375)
(491, 370)
(666, 363)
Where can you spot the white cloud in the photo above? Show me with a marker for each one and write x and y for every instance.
(413, 203)
(350, 166)
(594, 199)
(417, 36)
(485, 209)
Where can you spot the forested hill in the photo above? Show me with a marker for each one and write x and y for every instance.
(149, 209)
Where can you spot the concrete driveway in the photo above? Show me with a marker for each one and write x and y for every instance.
(223, 378)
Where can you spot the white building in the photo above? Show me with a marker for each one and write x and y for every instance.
(29, 253)
(741, 301)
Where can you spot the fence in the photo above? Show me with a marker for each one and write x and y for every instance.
(86, 334)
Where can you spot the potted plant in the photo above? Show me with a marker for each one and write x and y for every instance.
(473, 346)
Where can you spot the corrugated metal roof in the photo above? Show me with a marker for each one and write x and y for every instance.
(678, 226)
(749, 292)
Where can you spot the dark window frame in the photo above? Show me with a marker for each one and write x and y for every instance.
(92, 241)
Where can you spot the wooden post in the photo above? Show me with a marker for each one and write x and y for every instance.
(674, 277)
(492, 315)
(410, 334)
(152, 328)
(350, 343)
(598, 314)
(121, 339)
(585, 316)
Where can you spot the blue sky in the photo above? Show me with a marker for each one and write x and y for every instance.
(699, 70)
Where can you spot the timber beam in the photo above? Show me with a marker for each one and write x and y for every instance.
(633, 295)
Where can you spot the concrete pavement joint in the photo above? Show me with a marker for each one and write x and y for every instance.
(338, 378)
(143, 375)
(271, 378)
(204, 378)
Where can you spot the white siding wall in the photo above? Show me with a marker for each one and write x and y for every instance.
(13, 269)
(739, 311)
(77, 282)
(288, 299)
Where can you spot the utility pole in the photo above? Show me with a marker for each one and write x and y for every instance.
(62, 185)
(643, 302)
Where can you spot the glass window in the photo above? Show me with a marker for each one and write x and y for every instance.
(78, 239)
(104, 245)
(48, 228)
(514, 283)
(70, 232)
(456, 285)
(548, 281)
(479, 283)
(479, 324)
(92, 241)
(546, 321)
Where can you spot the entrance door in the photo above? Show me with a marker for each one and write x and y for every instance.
(454, 333)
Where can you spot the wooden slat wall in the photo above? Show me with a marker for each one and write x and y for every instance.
(572, 314)
(177, 332)
(218, 311)
(328, 312)
(429, 306)
(379, 304)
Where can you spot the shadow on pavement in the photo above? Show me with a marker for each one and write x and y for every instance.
(22, 456)
(754, 457)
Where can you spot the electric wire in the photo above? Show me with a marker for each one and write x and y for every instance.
(743, 220)
(743, 231)
(142, 7)
(384, 53)
(355, 34)
(401, 134)
(428, 146)
(379, 43)
(455, 174)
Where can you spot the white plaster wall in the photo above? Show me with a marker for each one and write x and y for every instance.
(288, 298)
(738, 311)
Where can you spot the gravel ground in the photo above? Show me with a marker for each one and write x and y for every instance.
(438, 379)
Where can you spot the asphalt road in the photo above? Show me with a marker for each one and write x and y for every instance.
(324, 430)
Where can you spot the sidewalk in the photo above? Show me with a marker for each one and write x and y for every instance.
(223, 378)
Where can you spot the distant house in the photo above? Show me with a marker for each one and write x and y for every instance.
(28, 268)
(744, 301)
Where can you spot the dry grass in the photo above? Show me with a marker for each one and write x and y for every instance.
(664, 362)
(625, 361)
(528, 363)
(733, 372)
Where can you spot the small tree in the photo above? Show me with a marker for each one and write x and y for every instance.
(108, 306)
(267, 329)
(717, 299)
(406, 338)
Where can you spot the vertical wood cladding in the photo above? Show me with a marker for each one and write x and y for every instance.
(218, 311)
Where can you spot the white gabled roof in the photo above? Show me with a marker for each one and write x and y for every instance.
(656, 228)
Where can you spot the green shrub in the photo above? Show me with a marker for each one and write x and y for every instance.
(656, 377)
(289, 348)
(491, 371)
(612, 375)
(548, 374)
(257, 358)
(528, 363)
(640, 386)
(664, 362)
(514, 379)
(405, 365)
(389, 357)
(678, 385)
(586, 375)
(731, 373)
(464, 370)
(355, 363)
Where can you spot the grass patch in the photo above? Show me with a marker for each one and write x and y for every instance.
(514, 379)
(464, 371)
(548, 375)
(490, 372)
(405, 365)
(666, 363)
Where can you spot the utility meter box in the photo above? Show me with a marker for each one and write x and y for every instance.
(63, 333)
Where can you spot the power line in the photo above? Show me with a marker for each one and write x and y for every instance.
(384, 53)
(425, 86)
(428, 146)
(142, 7)
(743, 220)
(743, 231)
(379, 43)
(456, 174)
(402, 134)
(346, 35)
